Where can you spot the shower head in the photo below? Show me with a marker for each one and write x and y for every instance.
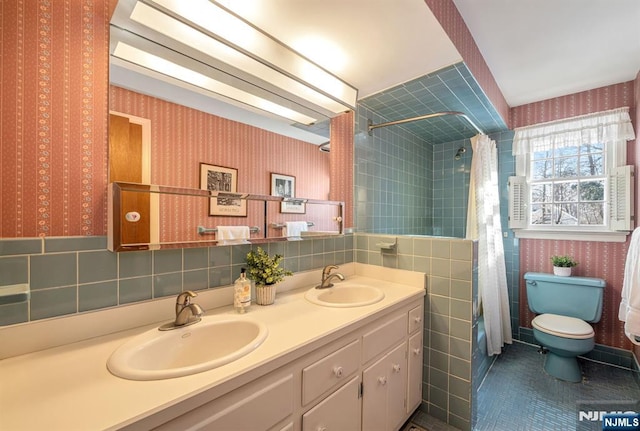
(459, 153)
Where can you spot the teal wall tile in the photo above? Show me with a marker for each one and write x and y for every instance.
(14, 270)
(53, 270)
(75, 243)
(9, 247)
(11, 314)
(239, 254)
(220, 276)
(195, 280)
(167, 284)
(94, 296)
(195, 258)
(135, 289)
(97, 266)
(55, 302)
(135, 264)
(219, 256)
(168, 260)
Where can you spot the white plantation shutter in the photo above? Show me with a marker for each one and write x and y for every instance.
(621, 199)
(517, 202)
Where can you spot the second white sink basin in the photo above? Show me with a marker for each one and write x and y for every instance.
(210, 343)
(345, 295)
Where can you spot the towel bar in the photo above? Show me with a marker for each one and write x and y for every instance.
(209, 231)
(282, 225)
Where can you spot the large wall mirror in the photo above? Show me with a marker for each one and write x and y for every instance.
(162, 131)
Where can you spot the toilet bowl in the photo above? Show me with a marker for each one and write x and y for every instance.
(565, 338)
(564, 306)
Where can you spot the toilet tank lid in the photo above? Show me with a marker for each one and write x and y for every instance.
(583, 281)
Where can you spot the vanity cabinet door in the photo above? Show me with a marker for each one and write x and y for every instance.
(414, 362)
(384, 391)
(338, 412)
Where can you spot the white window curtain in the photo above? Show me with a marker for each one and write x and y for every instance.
(602, 127)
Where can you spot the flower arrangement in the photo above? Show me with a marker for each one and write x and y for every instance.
(563, 261)
(265, 269)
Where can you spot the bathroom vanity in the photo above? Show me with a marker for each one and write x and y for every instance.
(319, 368)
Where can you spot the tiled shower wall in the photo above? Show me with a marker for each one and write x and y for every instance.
(450, 188)
(392, 174)
(74, 275)
(449, 319)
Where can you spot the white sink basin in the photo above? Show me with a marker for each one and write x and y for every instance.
(210, 343)
(345, 295)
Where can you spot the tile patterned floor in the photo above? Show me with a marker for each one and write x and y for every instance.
(517, 395)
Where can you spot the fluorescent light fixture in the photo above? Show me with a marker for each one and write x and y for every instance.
(246, 51)
(169, 68)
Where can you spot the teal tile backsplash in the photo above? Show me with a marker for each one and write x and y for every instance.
(72, 275)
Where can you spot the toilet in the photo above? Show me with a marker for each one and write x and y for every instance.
(564, 305)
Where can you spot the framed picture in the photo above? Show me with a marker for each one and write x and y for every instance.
(227, 202)
(285, 186)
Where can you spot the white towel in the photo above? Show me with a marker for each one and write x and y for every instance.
(630, 303)
(233, 234)
(293, 228)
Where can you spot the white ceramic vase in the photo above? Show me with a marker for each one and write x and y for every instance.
(562, 271)
(265, 294)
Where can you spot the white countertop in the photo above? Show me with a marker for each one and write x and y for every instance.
(69, 387)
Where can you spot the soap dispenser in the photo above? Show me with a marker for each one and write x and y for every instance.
(242, 293)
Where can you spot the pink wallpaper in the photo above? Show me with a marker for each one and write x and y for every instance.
(54, 67)
(342, 130)
(597, 259)
(182, 138)
(451, 21)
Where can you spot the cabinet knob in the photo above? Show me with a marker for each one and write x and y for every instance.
(382, 380)
(417, 319)
(416, 352)
(338, 371)
(396, 368)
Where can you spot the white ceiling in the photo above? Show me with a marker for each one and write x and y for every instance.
(536, 49)
(539, 49)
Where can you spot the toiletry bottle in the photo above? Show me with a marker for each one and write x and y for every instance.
(242, 293)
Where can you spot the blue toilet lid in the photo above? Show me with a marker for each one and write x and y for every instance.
(563, 326)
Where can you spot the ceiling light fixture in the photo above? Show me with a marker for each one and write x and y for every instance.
(207, 33)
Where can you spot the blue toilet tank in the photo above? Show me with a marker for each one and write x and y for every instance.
(579, 297)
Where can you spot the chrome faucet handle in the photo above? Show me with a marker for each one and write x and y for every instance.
(185, 298)
(327, 270)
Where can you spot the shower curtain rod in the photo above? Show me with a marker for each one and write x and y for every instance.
(424, 117)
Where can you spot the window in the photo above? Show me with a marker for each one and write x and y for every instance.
(572, 182)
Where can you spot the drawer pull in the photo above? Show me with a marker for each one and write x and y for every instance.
(382, 380)
(338, 371)
(416, 352)
(396, 368)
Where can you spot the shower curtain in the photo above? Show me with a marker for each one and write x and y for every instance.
(483, 224)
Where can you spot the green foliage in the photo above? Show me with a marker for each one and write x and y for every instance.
(563, 261)
(265, 269)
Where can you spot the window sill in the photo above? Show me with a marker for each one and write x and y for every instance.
(572, 236)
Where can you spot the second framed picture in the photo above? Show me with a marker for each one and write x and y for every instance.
(225, 181)
(285, 186)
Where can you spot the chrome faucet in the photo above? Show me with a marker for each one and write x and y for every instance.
(327, 276)
(186, 312)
